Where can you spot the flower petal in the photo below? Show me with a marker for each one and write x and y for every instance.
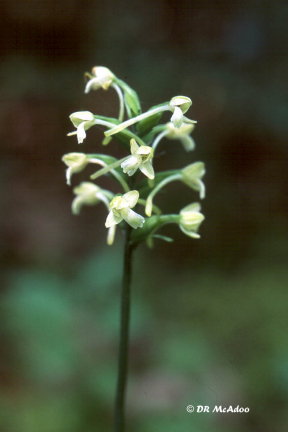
(201, 188)
(131, 199)
(111, 235)
(134, 147)
(192, 234)
(187, 142)
(114, 217)
(77, 203)
(147, 170)
(68, 176)
(132, 218)
(195, 207)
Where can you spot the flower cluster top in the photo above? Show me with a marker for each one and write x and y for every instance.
(135, 173)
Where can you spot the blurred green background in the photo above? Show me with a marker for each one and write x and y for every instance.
(210, 317)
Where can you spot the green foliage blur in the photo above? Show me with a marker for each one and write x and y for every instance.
(209, 317)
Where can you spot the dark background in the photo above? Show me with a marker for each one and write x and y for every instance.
(210, 317)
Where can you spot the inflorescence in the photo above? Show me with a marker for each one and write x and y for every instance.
(141, 142)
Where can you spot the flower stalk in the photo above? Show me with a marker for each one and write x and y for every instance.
(123, 210)
(123, 354)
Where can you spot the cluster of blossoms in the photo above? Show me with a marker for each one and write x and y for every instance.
(142, 142)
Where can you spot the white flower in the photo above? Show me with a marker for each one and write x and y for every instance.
(76, 162)
(82, 120)
(120, 208)
(88, 194)
(192, 176)
(179, 105)
(182, 134)
(140, 158)
(190, 220)
(102, 77)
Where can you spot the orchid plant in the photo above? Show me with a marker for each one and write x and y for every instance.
(138, 184)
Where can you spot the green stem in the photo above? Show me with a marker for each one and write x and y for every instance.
(158, 139)
(119, 419)
(133, 120)
(127, 132)
(114, 172)
(108, 168)
(149, 202)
